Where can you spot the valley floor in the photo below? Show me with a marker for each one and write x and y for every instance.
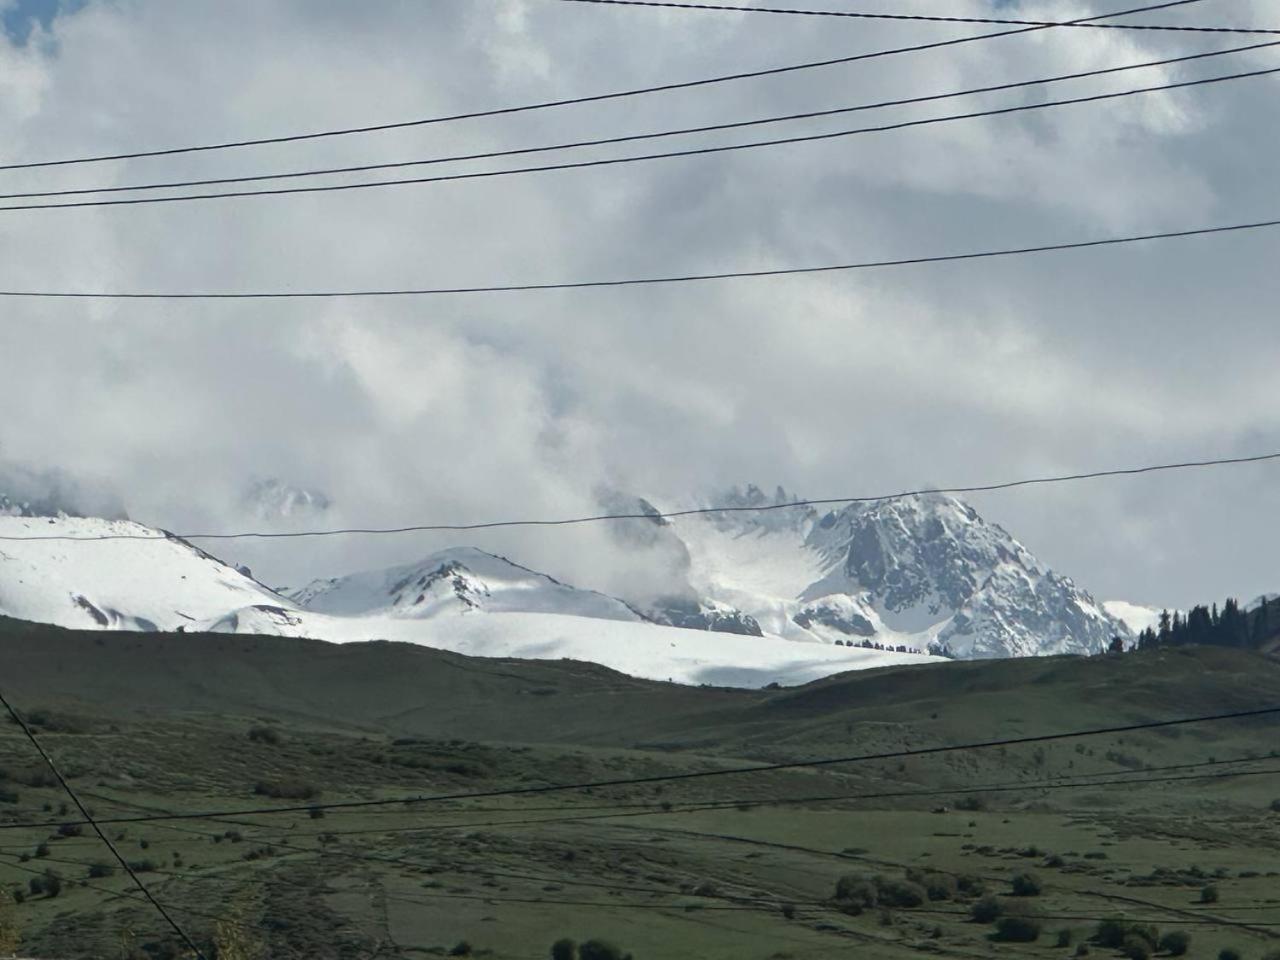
(741, 866)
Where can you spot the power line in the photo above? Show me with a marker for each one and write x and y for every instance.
(847, 14)
(668, 515)
(646, 281)
(572, 101)
(637, 158)
(631, 138)
(678, 777)
(142, 887)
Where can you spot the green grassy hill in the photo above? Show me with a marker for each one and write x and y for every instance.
(206, 723)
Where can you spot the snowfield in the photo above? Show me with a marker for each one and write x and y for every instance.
(643, 650)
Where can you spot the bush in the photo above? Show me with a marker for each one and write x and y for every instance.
(1229, 953)
(1026, 885)
(288, 790)
(1275, 805)
(1136, 948)
(1082, 950)
(264, 735)
(460, 949)
(99, 870)
(899, 893)
(600, 950)
(1175, 943)
(856, 892)
(564, 949)
(52, 884)
(1112, 933)
(986, 910)
(939, 886)
(970, 885)
(1209, 894)
(1018, 929)
(1064, 938)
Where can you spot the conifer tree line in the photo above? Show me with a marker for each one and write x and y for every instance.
(1208, 626)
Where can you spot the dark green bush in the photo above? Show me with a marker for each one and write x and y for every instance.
(264, 735)
(986, 910)
(1176, 943)
(856, 892)
(1027, 885)
(564, 949)
(1017, 929)
(1064, 938)
(286, 789)
(460, 949)
(1136, 948)
(1229, 953)
(899, 893)
(1209, 894)
(99, 870)
(600, 950)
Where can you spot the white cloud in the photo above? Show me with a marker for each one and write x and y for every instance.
(514, 405)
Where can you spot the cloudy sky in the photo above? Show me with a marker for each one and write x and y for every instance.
(498, 406)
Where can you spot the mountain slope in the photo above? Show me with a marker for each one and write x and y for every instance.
(152, 584)
(458, 580)
(920, 572)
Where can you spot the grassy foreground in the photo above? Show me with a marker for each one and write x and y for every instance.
(187, 723)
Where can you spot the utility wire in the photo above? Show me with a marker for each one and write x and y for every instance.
(811, 763)
(88, 818)
(848, 14)
(631, 138)
(654, 516)
(572, 101)
(637, 158)
(645, 281)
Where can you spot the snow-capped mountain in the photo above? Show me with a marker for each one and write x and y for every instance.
(460, 580)
(463, 600)
(145, 581)
(924, 572)
(774, 594)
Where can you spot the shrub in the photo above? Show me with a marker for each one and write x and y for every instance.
(1026, 885)
(288, 790)
(264, 735)
(1175, 943)
(1018, 929)
(1136, 948)
(900, 893)
(970, 885)
(599, 950)
(1064, 938)
(857, 892)
(1111, 934)
(70, 830)
(1209, 894)
(986, 910)
(1082, 950)
(940, 886)
(99, 870)
(789, 911)
(564, 949)
(975, 804)
(52, 884)
(460, 949)
(1055, 861)
(1229, 953)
